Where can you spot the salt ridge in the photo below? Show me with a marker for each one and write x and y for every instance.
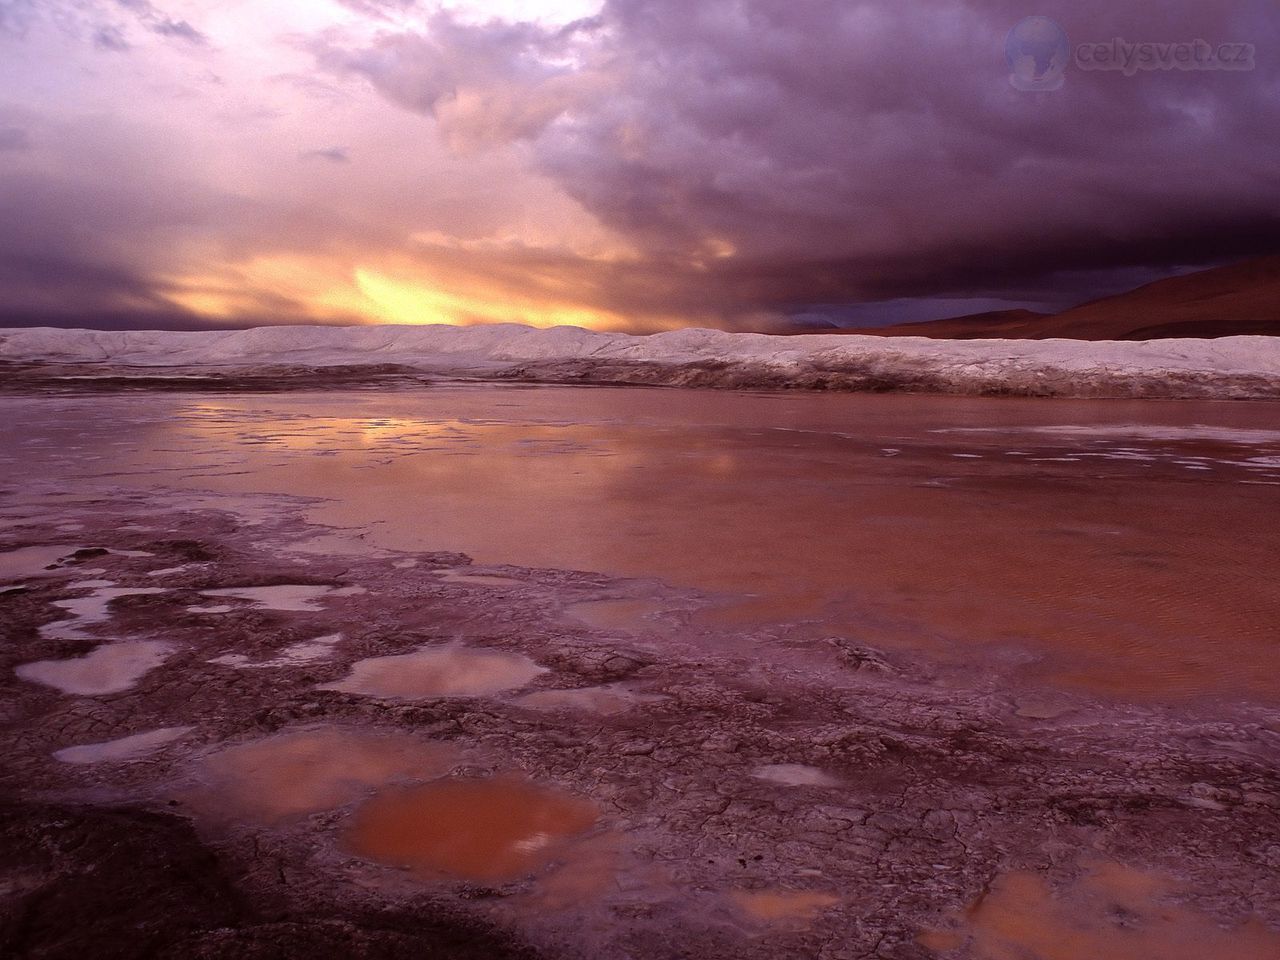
(1227, 367)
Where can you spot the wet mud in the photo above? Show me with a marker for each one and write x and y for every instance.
(229, 730)
(621, 794)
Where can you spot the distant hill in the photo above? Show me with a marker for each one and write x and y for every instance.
(1240, 299)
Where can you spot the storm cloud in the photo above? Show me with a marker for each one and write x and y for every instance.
(730, 162)
(866, 150)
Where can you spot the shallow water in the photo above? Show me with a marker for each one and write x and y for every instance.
(124, 750)
(1113, 911)
(91, 609)
(482, 830)
(111, 668)
(310, 771)
(31, 561)
(286, 597)
(1124, 547)
(783, 906)
(296, 654)
(438, 673)
(628, 616)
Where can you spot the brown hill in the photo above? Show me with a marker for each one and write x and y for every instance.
(1005, 324)
(1243, 298)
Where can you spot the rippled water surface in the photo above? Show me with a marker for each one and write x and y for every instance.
(1128, 548)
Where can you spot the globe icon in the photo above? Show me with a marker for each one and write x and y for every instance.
(1037, 51)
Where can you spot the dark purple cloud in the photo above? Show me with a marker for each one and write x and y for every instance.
(17, 16)
(14, 138)
(332, 154)
(822, 160)
(110, 39)
(178, 29)
(868, 150)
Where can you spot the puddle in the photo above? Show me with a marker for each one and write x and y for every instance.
(438, 673)
(174, 571)
(481, 830)
(287, 597)
(309, 771)
(795, 775)
(1113, 912)
(95, 608)
(781, 906)
(602, 700)
(112, 668)
(308, 651)
(586, 870)
(124, 750)
(215, 608)
(629, 616)
(31, 561)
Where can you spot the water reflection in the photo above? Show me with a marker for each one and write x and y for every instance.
(309, 771)
(1113, 911)
(125, 750)
(111, 668)
(438, 673)
(482, 830)
(792, 907)
(1124, 544)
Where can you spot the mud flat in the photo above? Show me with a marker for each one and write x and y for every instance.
(380, 750)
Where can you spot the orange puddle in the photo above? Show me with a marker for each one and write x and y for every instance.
(310, 771)
(438, 673)
(481, 830)
(589, 870)
(781, 906)
(1113, 912)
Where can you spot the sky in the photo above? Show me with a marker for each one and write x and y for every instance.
(618, 164)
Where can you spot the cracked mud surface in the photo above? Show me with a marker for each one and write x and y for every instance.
(927, 793)
(734, 791)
